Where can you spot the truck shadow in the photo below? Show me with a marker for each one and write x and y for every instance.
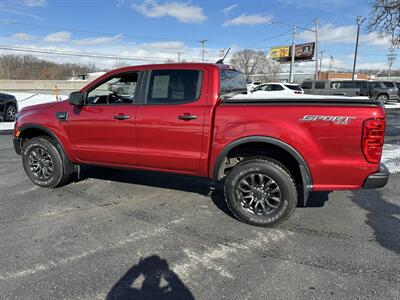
(380, 217)
(192, 184)
(150, 278)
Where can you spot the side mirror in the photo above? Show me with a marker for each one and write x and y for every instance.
(76, 98)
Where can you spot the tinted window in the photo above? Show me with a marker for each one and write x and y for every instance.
(276, 87)
(174, 86)
(232, 81)
(119, 89)
(376, 85)
(319, 85)
(348, 84)
(307, 85)
(388, 84)
(293, 87)
(361, 84)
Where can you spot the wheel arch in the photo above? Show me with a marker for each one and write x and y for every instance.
(34, 130)
(265, 142)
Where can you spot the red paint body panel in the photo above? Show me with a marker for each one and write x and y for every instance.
(154, 138)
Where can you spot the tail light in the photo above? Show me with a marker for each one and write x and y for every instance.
(373, 138)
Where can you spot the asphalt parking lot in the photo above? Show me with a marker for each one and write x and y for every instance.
(142, 235)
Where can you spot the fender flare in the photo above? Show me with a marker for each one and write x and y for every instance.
(304, 169)
(50, 133)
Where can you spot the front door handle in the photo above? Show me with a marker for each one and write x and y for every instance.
(187, 117)
(121, 117)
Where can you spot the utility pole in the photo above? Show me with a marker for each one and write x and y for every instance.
(316, 49)
(179, 57)
(291, 73)
(359, 22)
(202, 46)
(320, 61)
(391, 59)
(331, 61)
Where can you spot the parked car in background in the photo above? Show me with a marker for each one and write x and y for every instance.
(328, 87)
(251, 85)
(8, 107)
(278, 89)
(382, 91)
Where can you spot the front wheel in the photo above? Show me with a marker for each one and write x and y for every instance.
(43, 162)
(261, 192)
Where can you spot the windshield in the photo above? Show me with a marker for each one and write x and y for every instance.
(293, 87)
(232, 81)
(388, 84)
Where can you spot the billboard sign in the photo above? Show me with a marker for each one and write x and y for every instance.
(302, 52)
(279, 52)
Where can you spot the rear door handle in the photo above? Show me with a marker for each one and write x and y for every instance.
(187, 117)
(121, 117)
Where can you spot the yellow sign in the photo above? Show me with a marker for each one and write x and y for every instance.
(279, 52)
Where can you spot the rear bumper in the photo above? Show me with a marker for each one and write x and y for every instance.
(17, 145)
(378, 179)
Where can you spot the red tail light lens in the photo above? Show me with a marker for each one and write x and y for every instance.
(373, 138)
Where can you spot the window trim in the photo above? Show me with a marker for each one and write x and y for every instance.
(144, 96)
(136, 98)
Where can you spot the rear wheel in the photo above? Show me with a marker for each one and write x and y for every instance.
(11, 112)
(261, 192)
(44, 164)
(382, 98)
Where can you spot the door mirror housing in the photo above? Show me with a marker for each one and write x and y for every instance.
(76, 98)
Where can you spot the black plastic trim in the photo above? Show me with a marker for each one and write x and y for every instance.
(304, 170)
(17, 145)
(316, 101)
(377, 180)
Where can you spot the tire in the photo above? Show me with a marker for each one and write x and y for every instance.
(44, 163)
(10, 113)
(259, 196)
(383, 98)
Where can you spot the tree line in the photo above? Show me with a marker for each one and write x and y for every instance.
(31, 67)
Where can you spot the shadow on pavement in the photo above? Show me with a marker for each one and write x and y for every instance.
(381, 218)
(150, 278)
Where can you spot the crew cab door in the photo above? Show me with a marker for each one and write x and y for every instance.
(170, 121)
(103, 130)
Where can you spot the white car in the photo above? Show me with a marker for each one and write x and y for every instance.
(278, 89)
(251, 85)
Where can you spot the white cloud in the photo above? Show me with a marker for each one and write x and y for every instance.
(22, 36)
(170, 45)
(183, 12)
(99, 40)
(228, 9)
(330, 33)
(33, 3)
(246, 19)
(57, 37)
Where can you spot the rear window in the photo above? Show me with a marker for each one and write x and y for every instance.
(307, 85)
(388, 84)
(293, 87)
(319, 84)
(232, 81)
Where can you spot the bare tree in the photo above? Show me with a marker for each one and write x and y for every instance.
(31, 67)
(249, 61)
(385, 18)
(252, 62)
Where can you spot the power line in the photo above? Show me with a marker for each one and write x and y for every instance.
(93, 55)
(10, 22)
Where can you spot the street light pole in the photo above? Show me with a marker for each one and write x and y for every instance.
(291, 74)
(359, 21)
(316, 49)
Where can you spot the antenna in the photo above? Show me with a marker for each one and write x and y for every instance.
(221, 61)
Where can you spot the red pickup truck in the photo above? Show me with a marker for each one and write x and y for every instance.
(193, 119)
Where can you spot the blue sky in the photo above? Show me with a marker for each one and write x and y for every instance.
(159, 29)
